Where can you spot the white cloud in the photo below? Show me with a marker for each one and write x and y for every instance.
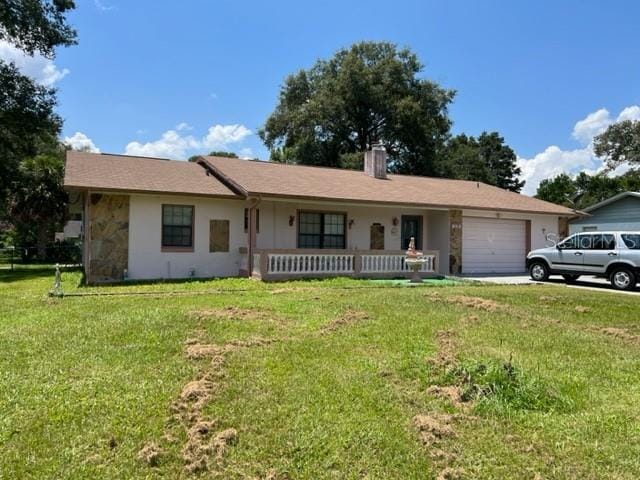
(553, 160)
(630, 113)
(593, 124)
(174, 144)
(246, 153)
(170, 145)
(103, 7)
(79, 141)
(183, 126)
(220, 136)
(40, 69)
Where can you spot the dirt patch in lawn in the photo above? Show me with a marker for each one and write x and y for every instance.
(206, 444)
(451, 393)
(621, 333)
(477, 303)
(350, 317)
(203, 443)
(150, 454)
(433, 427)
(445, 357)
(230, 313)
(582, 309)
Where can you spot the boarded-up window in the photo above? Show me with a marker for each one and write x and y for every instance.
(377, 237)
(219, 236)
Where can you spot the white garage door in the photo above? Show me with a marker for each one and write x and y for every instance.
(491, 245)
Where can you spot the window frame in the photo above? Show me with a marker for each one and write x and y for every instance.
(177, 248)
(322, 234)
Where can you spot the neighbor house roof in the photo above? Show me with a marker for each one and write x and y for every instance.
(267, 179)
(103, 172)
(613, 199)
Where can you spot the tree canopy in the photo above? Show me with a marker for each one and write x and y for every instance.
(485, 159)
(585, 190)
(368, 93)
(36, 25)
(30, 183)
(619, 144)
(215, 153)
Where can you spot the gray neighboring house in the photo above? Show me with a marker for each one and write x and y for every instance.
(620, 212)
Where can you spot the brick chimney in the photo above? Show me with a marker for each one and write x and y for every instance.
(375, 162)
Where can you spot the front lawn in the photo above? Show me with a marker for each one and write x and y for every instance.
(309, 380)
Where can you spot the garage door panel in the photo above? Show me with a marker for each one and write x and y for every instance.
(493, 245)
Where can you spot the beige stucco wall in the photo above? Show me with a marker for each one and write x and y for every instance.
(541, 225)
(275, 231)
(148, 261)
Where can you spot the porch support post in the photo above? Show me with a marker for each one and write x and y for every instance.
(252, 236)
(357, 264)
(86, 241)
(455, 242)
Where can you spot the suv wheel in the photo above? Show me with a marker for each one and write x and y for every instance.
(570, 278)
(623, 278)
(539, 271)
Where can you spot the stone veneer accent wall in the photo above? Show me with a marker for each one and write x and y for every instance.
(109, 237)
(455, 241)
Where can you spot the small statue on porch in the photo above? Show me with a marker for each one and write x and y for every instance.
(411, 251)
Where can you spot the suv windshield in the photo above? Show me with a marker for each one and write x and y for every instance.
(631, 240)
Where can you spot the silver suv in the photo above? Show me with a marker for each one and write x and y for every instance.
(614, 255)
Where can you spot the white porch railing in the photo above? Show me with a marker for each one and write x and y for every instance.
(297, 264)
(301, 263)
(393, 263)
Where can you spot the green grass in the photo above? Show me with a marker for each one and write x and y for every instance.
(87, 380)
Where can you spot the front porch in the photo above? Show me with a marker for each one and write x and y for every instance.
(283, 264)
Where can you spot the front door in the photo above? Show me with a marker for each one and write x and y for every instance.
(411, 227)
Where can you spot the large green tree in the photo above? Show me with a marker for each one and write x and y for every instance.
(485, 158)
(369, 93)
(27, 109)
(560, 189)
(619, 144)
(585, 190)
(38, 201)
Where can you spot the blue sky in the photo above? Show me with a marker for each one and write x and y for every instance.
(177, 78)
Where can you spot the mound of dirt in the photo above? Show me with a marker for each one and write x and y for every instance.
(622, 333)
(150, 454)
(231, 312)
(475, 302)
(445, 358)
(451, 474)
(348, 318)
(433, 427)
(196, 351)
(202, 444)
(582, 309)
(197, 392)
(451, 393)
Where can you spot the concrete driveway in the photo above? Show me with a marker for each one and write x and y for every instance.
(586, 282)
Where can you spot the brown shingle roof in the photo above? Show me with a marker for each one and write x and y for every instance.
(139, 174)
(280, 180)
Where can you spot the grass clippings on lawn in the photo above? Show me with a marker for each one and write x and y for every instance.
(325, 379)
